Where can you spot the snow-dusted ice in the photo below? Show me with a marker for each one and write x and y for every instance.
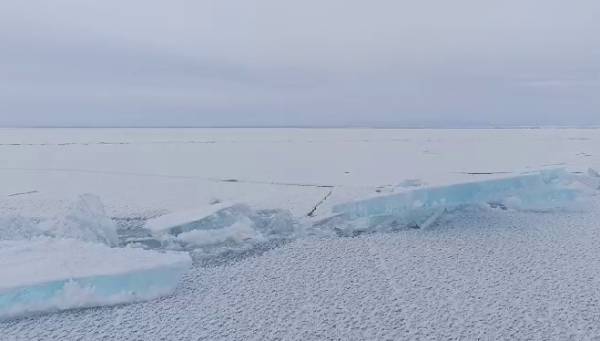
(49, 274)
(466, 234)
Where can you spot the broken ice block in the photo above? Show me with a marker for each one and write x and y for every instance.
(50, 274)
(544, 190)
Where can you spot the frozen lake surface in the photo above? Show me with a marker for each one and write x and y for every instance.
(259, 212)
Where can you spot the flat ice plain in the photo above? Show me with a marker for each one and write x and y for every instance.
(493, 272)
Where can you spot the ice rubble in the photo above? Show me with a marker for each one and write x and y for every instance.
(69, 261)
(421, 207)
(41, 270)
(49, 274)
(223, 227)
(85, 219)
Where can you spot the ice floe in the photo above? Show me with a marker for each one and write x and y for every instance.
(50, 274)
(420, 208)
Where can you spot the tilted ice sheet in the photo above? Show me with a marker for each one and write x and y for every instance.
(221, 227)
(419, 208)
(48, 274)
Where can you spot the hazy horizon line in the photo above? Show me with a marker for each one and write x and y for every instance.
(416, 127)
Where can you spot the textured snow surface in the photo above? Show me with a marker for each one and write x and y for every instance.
(47, 274)
(485, 274)
(275, 267)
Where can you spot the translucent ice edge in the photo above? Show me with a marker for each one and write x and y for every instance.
(91, 291)
(541, 191)
(148, 275)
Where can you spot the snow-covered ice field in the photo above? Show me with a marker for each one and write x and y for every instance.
(311, 233)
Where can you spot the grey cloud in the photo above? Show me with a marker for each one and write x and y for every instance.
(268, 62)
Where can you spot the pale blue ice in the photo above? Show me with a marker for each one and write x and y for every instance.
(91, 291)
(545, 190)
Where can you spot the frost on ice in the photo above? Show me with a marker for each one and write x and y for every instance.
(421, 207)
(49, 274)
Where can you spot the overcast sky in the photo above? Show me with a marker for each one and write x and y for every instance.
(309, 62)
